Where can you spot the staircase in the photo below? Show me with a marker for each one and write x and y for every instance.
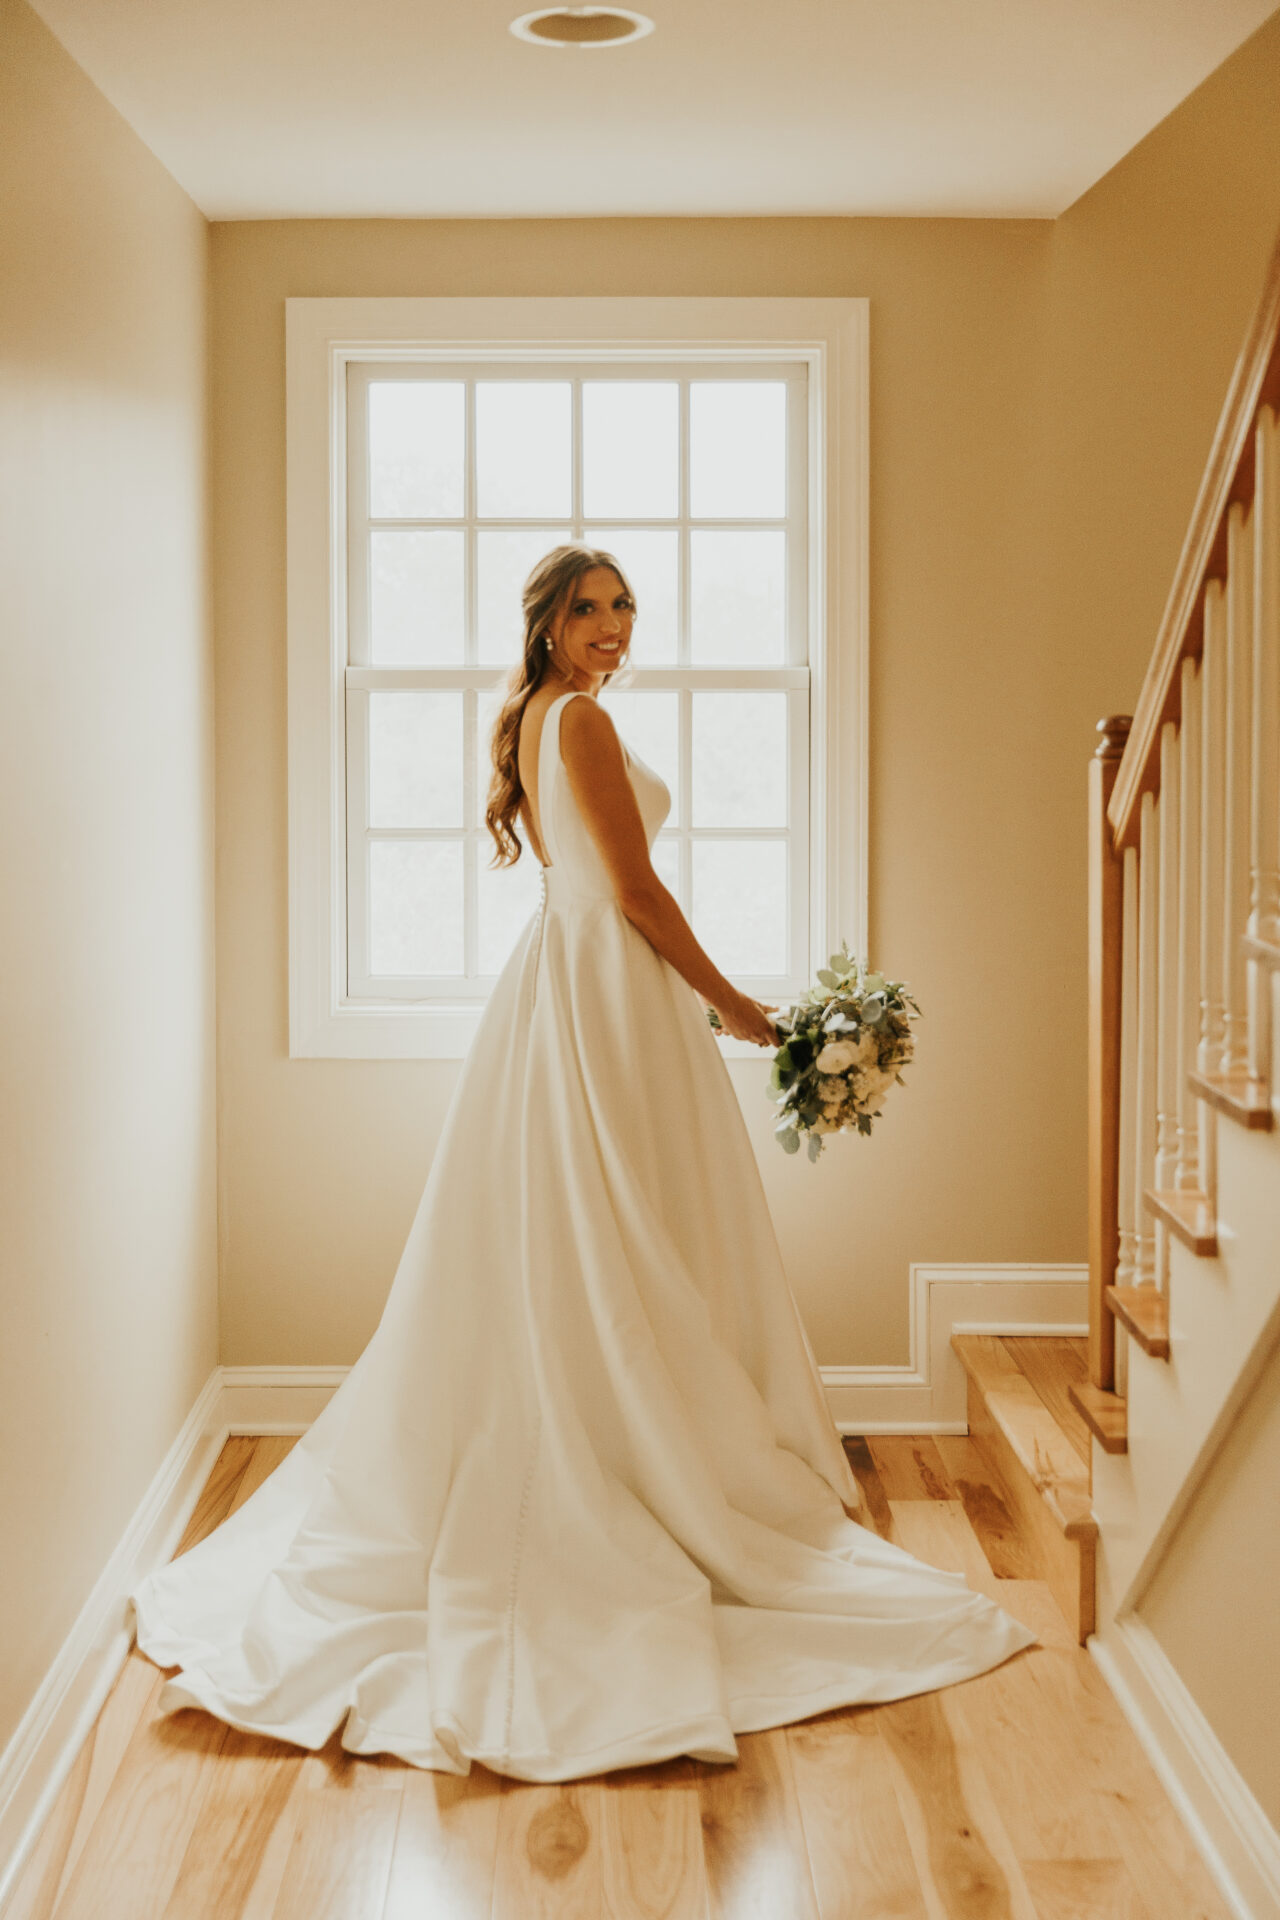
(1184, 957)
(1144, 1469)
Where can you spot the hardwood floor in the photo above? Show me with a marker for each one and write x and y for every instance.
(1021, 1795)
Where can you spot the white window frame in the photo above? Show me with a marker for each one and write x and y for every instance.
(323, 337)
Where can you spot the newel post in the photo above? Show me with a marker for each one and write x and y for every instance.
(1106, 928)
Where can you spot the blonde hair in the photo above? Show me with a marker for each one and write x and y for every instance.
(549, 588)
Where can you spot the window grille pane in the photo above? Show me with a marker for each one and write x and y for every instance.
(417, 435)
(503, 564)
(631, 449)
(738, 449)
(666, 862)
(740, 903)
(523, 449)
(739, 758)
(416, 599)
(738, 598)
(506, 898)
(415, 907)
(415, 758)
(651, 561)
(649, 723)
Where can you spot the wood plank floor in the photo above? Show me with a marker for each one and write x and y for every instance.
(1021, 1795)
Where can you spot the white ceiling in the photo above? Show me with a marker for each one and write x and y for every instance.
(291, 108)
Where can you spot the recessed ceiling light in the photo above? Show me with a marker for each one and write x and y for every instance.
(581, 26)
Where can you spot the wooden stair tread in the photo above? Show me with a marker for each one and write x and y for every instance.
(1051, 1363)
(1144, 1311)
(1188, 1215)
(1242, 1099)
(1046, 1481)
(1044, 1452)
(1106, 1414)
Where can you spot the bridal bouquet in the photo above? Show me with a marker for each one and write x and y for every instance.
(844, 1044)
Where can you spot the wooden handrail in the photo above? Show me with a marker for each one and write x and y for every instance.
(1228, 477)
(1106, 913)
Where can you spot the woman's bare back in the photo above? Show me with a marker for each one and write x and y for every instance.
(527, 749)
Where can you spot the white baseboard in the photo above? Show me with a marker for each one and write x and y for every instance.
(276, 1399)
(1239, 1845)
(928, 1394)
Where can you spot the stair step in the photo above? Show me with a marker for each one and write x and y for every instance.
(1242, 1099)
(1188, 1216)
(1047, 1482)
(1144, 1311)
(1107, 1416)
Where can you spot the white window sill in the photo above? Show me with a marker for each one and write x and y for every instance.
(422, 1033)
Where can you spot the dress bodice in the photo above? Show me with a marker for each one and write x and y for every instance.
(577, 874)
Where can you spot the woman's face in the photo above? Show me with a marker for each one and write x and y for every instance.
(593, 630)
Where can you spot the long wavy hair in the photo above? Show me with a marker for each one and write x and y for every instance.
(550, 587)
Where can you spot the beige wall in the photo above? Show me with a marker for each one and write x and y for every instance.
(1042, 400)
(322, 1162)
(107, 1182)
(1214, 1604)
(1156, 273)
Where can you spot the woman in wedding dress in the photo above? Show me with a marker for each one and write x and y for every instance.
(579, 1504)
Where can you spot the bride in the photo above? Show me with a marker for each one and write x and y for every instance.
(579, 1504)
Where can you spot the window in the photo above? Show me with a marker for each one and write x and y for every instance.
(430, 465)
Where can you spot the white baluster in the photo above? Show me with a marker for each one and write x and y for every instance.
(1167, 963)
(1128, 1195)
(1148, 1014)
(1188, 1011)
(1235, 881)
(1213, 776)
(1264, 848)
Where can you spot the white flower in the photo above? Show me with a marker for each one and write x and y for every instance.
(837, 1057)
(872, 1087)
(868, 1051)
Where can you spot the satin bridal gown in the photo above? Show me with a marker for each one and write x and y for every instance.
(579, 1504)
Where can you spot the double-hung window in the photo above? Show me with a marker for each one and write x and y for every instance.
(437, 449)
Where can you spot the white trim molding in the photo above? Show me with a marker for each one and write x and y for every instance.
(325, 336)
(1238, 1843)
(928, 1394)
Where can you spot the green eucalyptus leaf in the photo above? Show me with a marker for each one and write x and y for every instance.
(790, 1141)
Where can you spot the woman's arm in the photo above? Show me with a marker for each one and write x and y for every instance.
(597, 771)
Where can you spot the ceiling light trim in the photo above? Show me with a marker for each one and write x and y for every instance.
(637, 26)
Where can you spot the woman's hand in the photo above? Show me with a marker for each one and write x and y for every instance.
(746, 1019)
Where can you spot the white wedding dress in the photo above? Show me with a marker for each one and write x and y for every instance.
(578, 1505)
